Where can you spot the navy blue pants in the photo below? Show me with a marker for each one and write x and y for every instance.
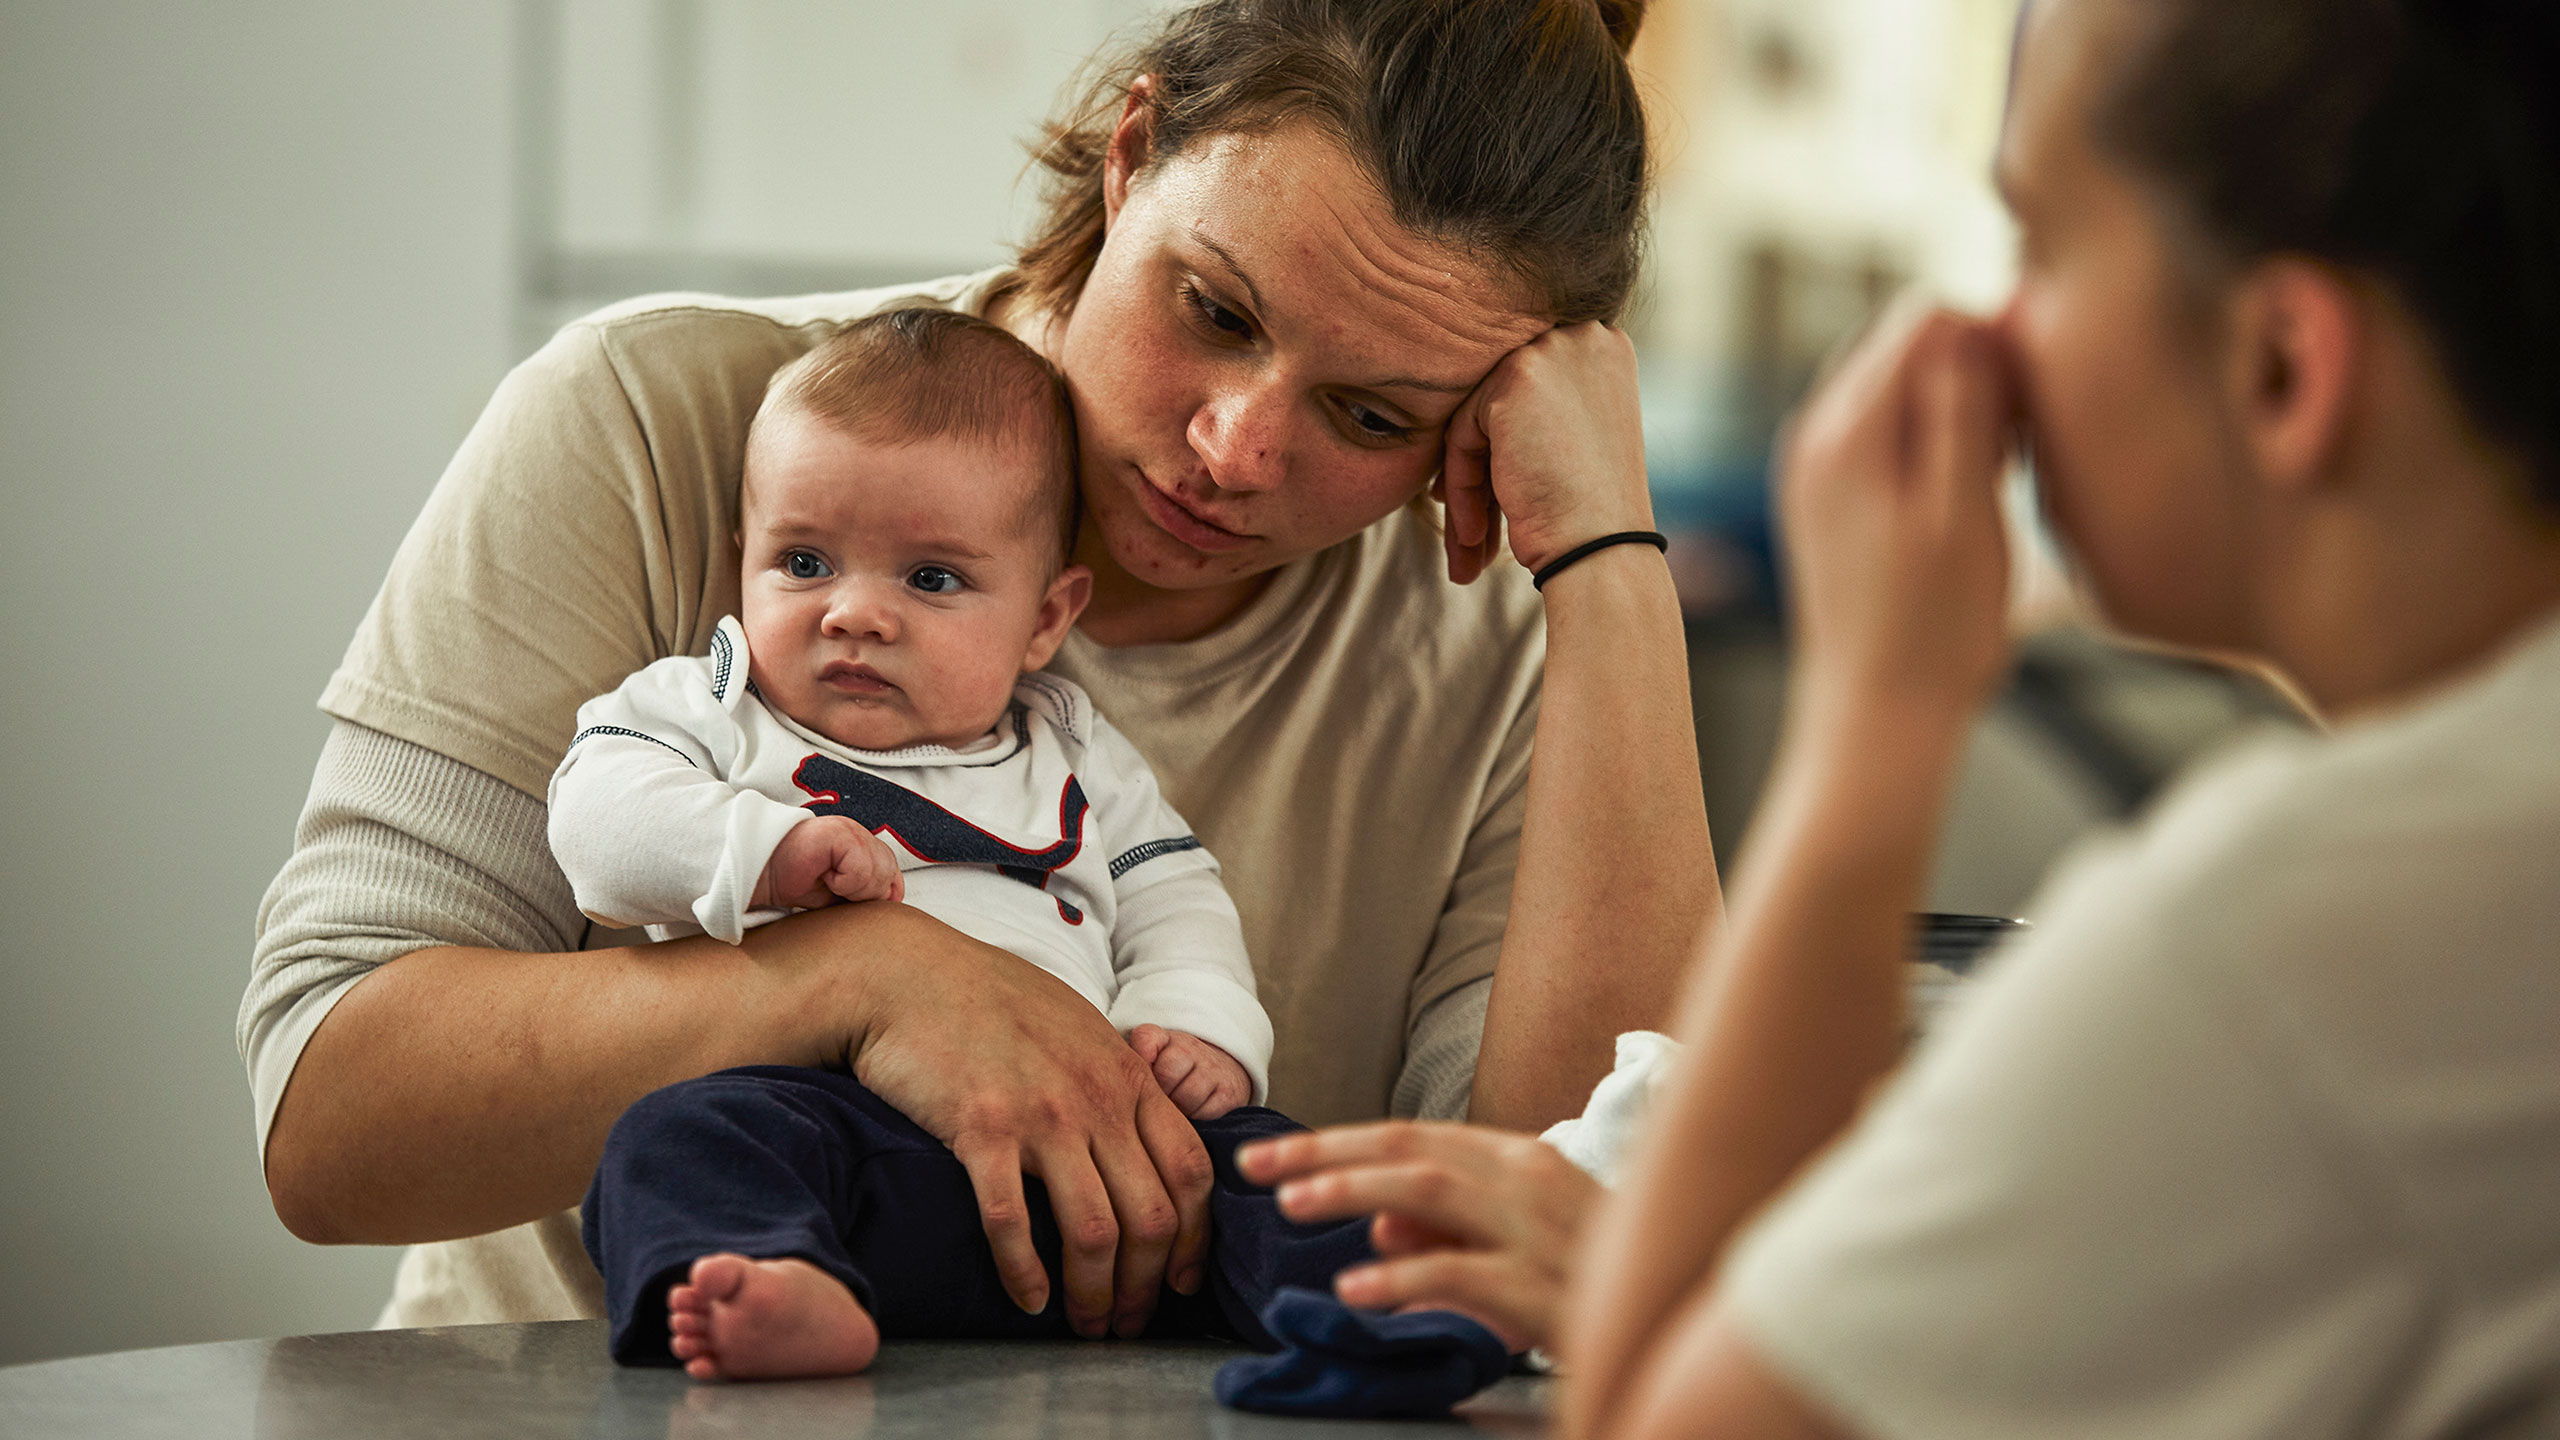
(773, 1161)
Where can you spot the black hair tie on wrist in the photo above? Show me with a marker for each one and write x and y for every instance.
(1654, 538)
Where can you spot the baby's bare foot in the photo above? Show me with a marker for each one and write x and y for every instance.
(742, 1319)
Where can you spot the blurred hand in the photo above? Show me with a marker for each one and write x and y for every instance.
(1202, 1081)
(1551, 441)
(1890, 497)
(827, 858)
(1469, 1218)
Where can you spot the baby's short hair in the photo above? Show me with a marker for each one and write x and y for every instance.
(920, 373)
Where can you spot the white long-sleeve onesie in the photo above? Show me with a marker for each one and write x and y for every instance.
(1049, 839)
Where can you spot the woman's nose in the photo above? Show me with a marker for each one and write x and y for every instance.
(1240, 437)
(862, 611)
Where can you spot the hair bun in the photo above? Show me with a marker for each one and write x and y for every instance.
(1624, 18)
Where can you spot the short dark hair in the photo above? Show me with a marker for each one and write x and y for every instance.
(1510, 129)
(922, 373)
(2415, 141)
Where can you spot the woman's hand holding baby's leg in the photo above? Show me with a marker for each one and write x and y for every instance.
(827, 858)
(1203, 1081)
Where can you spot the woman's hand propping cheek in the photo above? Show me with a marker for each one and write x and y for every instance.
(1551, 442)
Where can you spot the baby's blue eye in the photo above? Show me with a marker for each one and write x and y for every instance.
(934, 580)
(802, 565)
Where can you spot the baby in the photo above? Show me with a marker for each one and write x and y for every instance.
(873, 727)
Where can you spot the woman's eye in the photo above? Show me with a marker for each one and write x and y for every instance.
(1217, 316)
(801, 565)
(934, 580)
(1372, 424)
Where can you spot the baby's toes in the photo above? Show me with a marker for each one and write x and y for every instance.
(716, 1278)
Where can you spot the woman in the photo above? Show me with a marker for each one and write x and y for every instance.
(2257, 1134)
(1296, 251)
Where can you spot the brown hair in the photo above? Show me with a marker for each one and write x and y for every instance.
(1508, 128)
(2417, 141)
(919, 373)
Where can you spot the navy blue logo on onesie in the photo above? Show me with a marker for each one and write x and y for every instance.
(934, 834)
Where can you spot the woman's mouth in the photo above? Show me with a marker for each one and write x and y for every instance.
(1185, 524)
(847, 677)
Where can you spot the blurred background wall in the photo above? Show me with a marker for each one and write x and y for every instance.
(255, 280)
(261, 263)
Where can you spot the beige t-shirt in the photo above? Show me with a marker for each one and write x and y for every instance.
(2258, 1134)
(1353, 746)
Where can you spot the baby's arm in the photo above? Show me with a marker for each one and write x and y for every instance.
(1177, 946)
(1179, 950)
(643, 820)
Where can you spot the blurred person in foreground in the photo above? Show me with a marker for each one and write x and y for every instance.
(2258, 1133)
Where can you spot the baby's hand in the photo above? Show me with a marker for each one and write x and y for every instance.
(1203, 1081)
(827, 858)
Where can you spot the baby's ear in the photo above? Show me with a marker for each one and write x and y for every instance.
(1068, 593)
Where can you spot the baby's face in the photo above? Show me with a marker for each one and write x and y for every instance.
(893, 593)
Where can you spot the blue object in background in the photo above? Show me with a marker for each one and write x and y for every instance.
(1724, 547)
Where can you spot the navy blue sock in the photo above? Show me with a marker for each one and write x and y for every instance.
(1345, 1362)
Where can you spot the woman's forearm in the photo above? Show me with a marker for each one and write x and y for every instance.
(1616, 878)
(456, 1091)
(1787, 1034)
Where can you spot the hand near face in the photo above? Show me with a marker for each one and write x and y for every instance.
(828, 858)
(1552, 442)
(1202, 1081)
(1890, 501)
(1469, 1218)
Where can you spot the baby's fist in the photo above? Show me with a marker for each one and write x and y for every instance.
(1203, 1081)
(827, 858)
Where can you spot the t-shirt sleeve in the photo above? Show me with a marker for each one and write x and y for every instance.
(2099, 1204)
(581, 531)
(1177, 945)
(398, 849)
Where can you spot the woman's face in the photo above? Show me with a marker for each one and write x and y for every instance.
(1264, 361)
(2136, 461)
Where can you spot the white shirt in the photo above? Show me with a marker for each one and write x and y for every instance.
(2256, 1134)
(1048, 838)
